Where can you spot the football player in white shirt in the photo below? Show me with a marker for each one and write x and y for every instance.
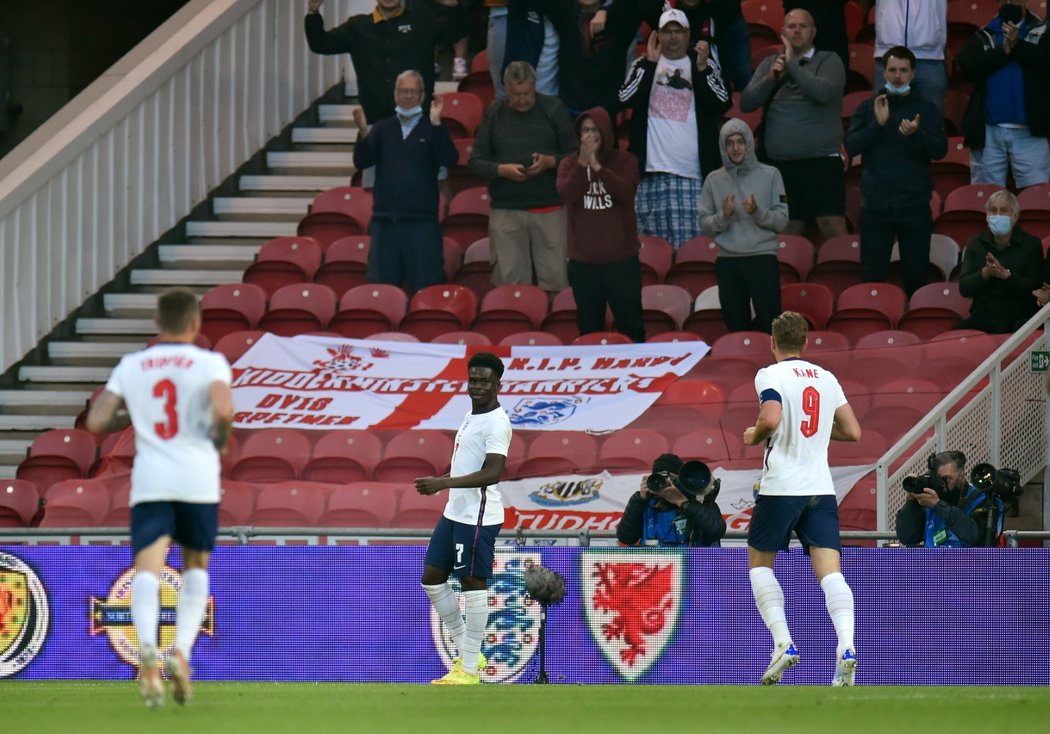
(177, 397)
(464, 541)
(802, 408)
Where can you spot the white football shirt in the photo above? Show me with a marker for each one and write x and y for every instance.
(165, 389)
(796, 460)
(481, 434)
(671, 143)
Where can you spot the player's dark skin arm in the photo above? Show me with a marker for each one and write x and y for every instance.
(488, 474)
(108, 414)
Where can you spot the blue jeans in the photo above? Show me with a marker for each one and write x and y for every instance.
(931, 80)
(1016, 147)
(497, 42)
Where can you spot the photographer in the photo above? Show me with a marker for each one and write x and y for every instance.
(668, 511)
(944, 509)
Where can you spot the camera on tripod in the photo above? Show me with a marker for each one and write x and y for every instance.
(693, 480)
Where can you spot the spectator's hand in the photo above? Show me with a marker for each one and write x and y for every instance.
(644, 489)
(1042, 295)
(437, 105)
(652, 47)
(789, 52)
(882, 109)
(313, 6)
(728, 206)
(360, 121)
(994, 268)
(673, 496)
(540, 163)
(589, 150)
(703, 53)
(430, 485)
(1009, 37)
(908, 127)
(750, 205)
(512, 171)
(926, 498)
(776, 70)
(598, 22)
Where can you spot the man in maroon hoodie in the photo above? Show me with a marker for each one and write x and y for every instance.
(597, 186)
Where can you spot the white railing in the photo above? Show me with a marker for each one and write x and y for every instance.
(131, 155)
(1005, 422)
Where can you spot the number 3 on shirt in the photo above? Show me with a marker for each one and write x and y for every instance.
(165, 390)
(811, 407)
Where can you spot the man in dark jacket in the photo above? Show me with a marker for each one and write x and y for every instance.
(387, 41)
(677, 96)
(597, 186)
(668, 516)
(593, 53)
(1007, 120)
(1000, 268)
(898, 133)
(407, 150)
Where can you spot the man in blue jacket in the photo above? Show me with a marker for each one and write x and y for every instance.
(898, 133)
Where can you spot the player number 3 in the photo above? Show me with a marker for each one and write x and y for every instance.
(165, 390)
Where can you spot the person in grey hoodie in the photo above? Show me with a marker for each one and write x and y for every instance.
(743, 206)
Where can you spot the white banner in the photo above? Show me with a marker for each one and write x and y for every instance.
(325, 383)
(596, 502)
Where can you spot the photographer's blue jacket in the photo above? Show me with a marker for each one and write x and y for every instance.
(651, 522)
(949, 526)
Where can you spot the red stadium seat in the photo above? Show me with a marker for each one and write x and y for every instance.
(119, 515)
(655, 254)
(665, 307)
(867, 307)
(852, 453)
(237, 502)
(706, 319)
(728, 372)
(271, 455)
(561, 321)
(531, 339)
(479, 83)
(116, 454)
(345, 263)
(370, 308)
(753, 118)
(412, 454)
(415, 510)
(460, 176)
(465, 338)
(290, 504)
(462, 113)
(19, 503)
(631, 449)
(362, 505)
(55, 455)
(438, 309)
(826, 341)
(694, 265)
(861, 73)
(887, 338)
(476, 271)
(283, 261)
(706, 444)
(75, 503)
(236, 343)
(602, 338)
(468, 216)
(934, 309)
(1035, 210)
(838, 263)
(343, 456)
(507, 309)
(745, 344)
(299, 308)
(703, 397)
(392, 336)
(813, 300)
(559, 452)
(340, 212)
(231, 307)
(452, 258)
(673, 336)
(964, 214)
(795, 254)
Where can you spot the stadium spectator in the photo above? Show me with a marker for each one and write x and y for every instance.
(1007, 119)
(801, 89)
(597, 186)
(177, 397)
(952, 515)
(517, 150)
(593, 54)
(743, 206)
(496, 43)
(718, 21)
(666, 512)
(407, 150)
(677, 97)
(899, 133)
(534, 31)
(391, 39)
(923, 28)
(1001, 267)
(464, 541)
(829, 19)
(802, 408)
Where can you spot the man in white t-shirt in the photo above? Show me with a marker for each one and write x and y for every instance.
(464, 541)
(677, 96)
(802, 408)
(177, 397)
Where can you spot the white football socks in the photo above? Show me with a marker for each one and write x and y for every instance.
(839, 599)
(477, 619)
(189, 613)
(145, 608)
(769, 598)
(447, 606)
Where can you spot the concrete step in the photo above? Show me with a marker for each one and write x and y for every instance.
(254, 208)
(241, 230)
(296, 184)
(43, 402)
(94, 353)
(8, 471)
(36, 423)
(337, 114)
(137, 328)
(200, 280)
(130, 305)
(189, 257)
(13, 450)
(67, 374)
(324, 135)
(313, 162)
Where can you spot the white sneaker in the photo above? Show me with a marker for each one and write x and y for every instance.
(459, 69)
(782, 659)
(151, 684)
(845, 669)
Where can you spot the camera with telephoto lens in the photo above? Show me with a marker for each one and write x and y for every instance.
(693, 480)
(929, 480)
(1004, 482)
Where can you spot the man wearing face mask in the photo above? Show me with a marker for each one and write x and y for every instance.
(1000, 268)
(1007, 120)
(955, 515)
(899, 134)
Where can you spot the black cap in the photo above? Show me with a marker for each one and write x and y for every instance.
(667, 462)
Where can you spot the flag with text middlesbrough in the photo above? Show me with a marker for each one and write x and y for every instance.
(326, 382)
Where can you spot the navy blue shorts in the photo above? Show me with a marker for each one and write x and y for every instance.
(461, 549)
(815, 519)
(192, 525)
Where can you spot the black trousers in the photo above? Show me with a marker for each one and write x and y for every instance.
(746, 280)
(616, 285)
(911, 226)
